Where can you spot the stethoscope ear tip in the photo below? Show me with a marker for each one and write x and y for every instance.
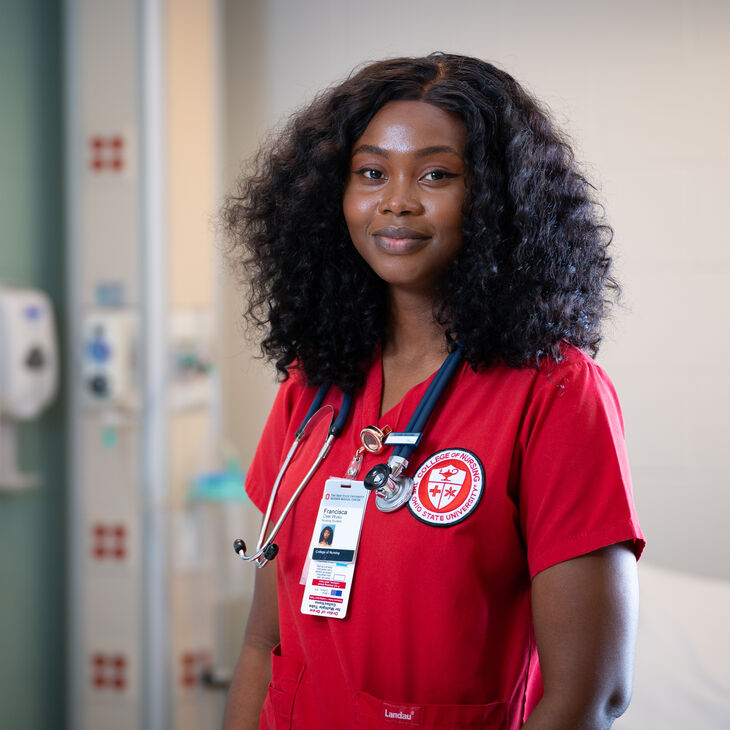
(269, 552)
(240, 547)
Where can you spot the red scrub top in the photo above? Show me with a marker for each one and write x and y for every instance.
(518, 469)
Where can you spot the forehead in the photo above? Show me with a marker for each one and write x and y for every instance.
(404, 126)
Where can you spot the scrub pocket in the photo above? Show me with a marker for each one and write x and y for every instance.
(286, 675)
(374, 714)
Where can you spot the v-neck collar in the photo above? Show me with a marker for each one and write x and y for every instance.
(374, 392)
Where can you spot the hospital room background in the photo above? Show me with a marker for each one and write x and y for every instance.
(131, 400)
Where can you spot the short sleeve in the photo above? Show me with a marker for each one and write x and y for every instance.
(269, 454)
(575, 492)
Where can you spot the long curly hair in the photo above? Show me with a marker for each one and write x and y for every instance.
(534, 268)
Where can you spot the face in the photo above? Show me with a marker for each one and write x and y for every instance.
(405, 192)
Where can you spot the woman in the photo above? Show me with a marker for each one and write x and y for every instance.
(425, 206)
(325, 536)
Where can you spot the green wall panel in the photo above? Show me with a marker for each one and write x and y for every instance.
(32, 523)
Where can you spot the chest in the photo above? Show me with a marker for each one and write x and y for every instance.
(462, 523)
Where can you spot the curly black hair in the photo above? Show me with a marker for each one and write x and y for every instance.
(534, 268)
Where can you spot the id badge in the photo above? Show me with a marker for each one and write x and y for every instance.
(332, 552)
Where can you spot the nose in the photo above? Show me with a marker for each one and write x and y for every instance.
(400, 197)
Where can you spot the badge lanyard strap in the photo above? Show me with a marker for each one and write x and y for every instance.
(428, 402)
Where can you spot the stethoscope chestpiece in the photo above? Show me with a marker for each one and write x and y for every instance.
(377, 477)
(392, 489)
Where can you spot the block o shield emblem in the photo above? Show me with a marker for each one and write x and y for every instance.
(447, 487)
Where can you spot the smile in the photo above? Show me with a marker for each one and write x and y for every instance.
(399, 240)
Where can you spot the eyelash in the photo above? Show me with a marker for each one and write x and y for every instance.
(444, 174)
(363, 172)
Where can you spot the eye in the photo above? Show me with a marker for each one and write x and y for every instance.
(370, 173)
(436, 175)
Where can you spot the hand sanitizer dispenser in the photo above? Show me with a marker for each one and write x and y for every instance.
(28, 371)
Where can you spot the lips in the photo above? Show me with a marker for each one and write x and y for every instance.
(399, 232)
(399, 239)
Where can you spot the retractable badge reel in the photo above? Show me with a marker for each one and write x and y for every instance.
(372, 439)
(392, 488)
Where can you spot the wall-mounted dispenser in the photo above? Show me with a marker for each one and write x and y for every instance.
(28, 372)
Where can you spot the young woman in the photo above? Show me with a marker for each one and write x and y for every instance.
(325, 536)
(426, 209)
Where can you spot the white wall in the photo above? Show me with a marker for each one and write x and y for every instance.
(643, 90)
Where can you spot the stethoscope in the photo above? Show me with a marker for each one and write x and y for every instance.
(392, 487)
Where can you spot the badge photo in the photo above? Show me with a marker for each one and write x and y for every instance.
(447, 487)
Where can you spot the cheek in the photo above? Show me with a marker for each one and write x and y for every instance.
(447, 216)
(355, 210)
(356, 219)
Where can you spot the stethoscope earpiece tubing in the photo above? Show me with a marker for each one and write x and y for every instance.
(422, 413)
(316, 403)
(339, 424)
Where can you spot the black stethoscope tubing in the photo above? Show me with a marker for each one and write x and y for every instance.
(426, 405)
(339, 424)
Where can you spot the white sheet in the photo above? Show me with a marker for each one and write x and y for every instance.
(682, 679)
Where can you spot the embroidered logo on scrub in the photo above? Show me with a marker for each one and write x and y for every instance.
(401, 714)
(447, 487)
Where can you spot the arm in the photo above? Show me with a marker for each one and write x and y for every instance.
(253, 670)
(585, 614)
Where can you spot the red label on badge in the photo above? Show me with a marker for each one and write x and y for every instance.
(447, 487)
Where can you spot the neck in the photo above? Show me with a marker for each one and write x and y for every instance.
(412, 331)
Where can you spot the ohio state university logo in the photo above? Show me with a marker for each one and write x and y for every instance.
(447, 487)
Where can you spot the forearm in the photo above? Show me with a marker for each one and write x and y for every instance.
(248, 686)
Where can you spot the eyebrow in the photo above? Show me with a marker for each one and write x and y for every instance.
(423, 152)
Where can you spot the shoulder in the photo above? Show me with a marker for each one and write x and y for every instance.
(569, 390)
(287, 412)
(293, 398)
(294, 386)
(573, 361)
(574, 393)
(575, 373)
(551, 377)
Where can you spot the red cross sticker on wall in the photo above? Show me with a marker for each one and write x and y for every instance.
(106, 153)
(109, 671)
(108, 541)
